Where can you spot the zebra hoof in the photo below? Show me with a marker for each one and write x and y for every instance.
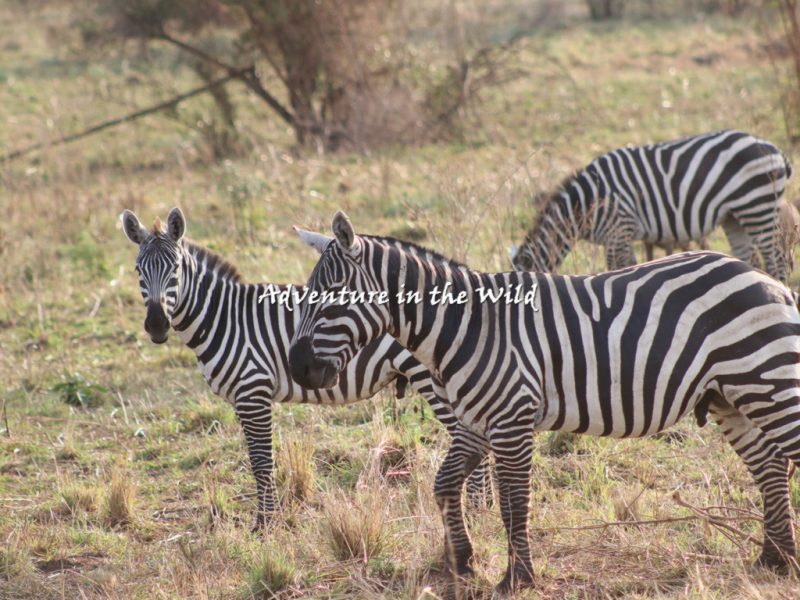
(515, 580)
(258, 527)
(774, 561)
(460, 566)
(261, 523)
(462, 573)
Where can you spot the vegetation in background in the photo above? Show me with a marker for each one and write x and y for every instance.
(344, 67)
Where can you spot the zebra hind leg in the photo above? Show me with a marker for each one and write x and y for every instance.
(771, 474)
(479, 486)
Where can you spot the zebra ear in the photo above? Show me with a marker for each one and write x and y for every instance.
(316, 240)
(343, 230)
(133, 228)
(176, 224)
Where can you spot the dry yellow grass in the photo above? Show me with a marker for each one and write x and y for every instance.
(118, 503)
(296, 472)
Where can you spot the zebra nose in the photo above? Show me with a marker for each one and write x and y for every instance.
(156, 323)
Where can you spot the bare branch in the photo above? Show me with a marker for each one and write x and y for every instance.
(249, 78)
(171, 103)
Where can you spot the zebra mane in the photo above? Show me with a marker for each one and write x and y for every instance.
(213, 261)
(542, 202)
(417, 250)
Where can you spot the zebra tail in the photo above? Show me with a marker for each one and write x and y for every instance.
(787, 166)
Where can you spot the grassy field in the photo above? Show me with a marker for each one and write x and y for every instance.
(143, 489)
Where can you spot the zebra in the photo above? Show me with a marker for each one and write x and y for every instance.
(624, 353)
(666, 193)
(240, 333)
(669, 247)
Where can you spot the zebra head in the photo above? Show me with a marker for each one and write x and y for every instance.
(158, 265)
(333, 324)
(522, 258)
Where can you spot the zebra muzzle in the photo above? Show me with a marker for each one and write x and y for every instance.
(156, 324)
(308, 370)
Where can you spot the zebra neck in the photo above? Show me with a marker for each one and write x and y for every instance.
(204, 292)
(435, 324)
(566, 218)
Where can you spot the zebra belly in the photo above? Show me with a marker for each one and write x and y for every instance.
(598, 426)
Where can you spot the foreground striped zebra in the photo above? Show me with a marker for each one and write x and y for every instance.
(623, 354)
(667, 193)
(240, 334)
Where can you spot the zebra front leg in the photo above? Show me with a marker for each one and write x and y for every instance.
(255, 417)
(513, 450)
(771, 474)
(776, 262)
(464, 454)
(742, 244)
(648, 250)
(479, 482)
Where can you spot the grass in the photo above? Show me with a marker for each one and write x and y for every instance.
(270, 572)
(296, 472)
(123, 476)
(355, 527)
(118, 504)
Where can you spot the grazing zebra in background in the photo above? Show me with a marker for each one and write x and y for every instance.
(241, 339)
(666, 193)
(625, 354)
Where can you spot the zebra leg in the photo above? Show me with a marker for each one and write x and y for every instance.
(256, 420)
(479, 482)
(771, 474)
(513, 450)
(464, 454)
(776, 262)
(648, 250)
(619, 253)
(741, 243)
(479, 486)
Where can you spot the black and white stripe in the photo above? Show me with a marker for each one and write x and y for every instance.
(624, 354)
(667, 193)
(241, 339)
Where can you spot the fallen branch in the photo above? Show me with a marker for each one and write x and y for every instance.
(699, 515)
(171, 103)
(717, 521)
